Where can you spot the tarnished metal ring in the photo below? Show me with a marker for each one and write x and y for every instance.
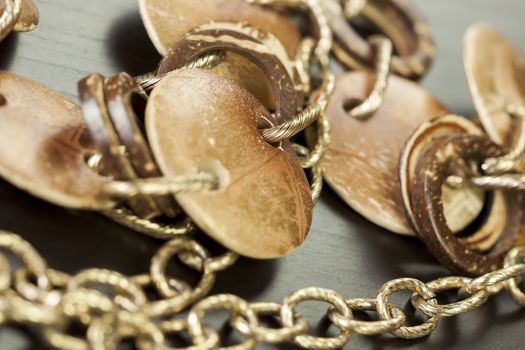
(398, 21)
(432, 172)
(288, 315)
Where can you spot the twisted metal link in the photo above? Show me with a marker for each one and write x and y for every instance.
(384, 50)
(353, 8)
(150, 228)
(114, 307)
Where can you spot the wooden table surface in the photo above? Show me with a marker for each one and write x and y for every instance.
(343, 252)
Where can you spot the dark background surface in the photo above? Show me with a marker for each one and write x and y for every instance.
(343, 252)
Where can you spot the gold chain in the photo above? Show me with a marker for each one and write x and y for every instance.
(114, 307)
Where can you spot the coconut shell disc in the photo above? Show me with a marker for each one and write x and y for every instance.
(496, 75)
(461, 206)
(432, 172)
(168, 21)
(43, 146)
(397, 20)
(197, 120)
(361, 163)
(29, 17)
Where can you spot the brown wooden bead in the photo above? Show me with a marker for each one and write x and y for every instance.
(245, 41)
(29, 17)
(43, 146)
(399, 21)
(168, 21)
(461, 206)
(432, 172)
(114, 159)
(119, 93)
(361, 162)
(496, 75)
(197, 120)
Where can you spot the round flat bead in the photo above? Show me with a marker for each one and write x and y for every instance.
(44, 144)
(197, 120)
(361, 163)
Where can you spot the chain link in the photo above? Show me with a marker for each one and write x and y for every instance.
(113, 307)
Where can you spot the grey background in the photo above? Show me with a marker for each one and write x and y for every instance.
(343, 252)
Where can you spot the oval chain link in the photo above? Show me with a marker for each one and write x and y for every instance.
(114, 307)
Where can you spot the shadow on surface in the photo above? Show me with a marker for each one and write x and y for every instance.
(130, 48)
(8, 48)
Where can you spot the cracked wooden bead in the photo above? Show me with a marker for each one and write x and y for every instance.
(200, 121)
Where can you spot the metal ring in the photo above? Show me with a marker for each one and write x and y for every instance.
(288, 315)
(267, 335)
(417, 287)
(121, 285)
(168, 251)
(236, 305)
(515, 256)
(32, 260)
(452, 309)
(368, 328)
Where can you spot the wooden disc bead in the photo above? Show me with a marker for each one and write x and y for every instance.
(200, 121)
(242, 40)
(461, 206)
(362, 160)
(115, 161)
(29, 17)
(119, 92)
(496, 75)
(43, 146)
(432, 172)
(168, 21)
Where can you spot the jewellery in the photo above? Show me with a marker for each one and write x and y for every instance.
(107, 100)
(18, 15)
